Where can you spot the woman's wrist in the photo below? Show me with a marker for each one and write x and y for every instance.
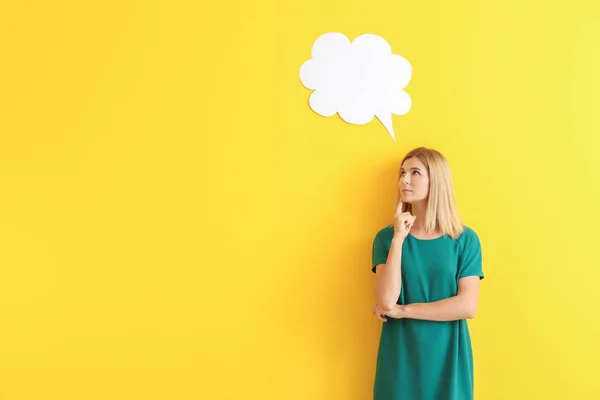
(398, 312)
(398, 238)
(402, 311)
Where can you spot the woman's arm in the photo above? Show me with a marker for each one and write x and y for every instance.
(388, 276)
(461, 306)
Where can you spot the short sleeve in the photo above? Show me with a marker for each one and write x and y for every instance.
(380, 251)
(470, 260)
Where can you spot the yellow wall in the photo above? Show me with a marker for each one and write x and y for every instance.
(176, 223)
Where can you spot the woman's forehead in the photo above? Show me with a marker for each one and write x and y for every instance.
(413, 163)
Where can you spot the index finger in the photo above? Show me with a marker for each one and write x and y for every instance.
(399, 209)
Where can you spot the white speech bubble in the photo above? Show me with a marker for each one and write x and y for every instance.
(358, 80)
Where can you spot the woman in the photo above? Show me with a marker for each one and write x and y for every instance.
(427, 269)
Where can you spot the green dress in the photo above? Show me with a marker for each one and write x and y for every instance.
(419, 359)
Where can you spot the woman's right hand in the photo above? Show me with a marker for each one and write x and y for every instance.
(403, 221)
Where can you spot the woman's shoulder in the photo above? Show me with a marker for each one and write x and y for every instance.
(386, 233)
(468, 236)
(467, 232)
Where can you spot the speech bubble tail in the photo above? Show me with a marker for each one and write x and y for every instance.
(386, 120)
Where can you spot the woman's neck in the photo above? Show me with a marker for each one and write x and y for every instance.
(419, 210)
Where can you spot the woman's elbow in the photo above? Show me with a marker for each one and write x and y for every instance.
(471, 311)
(386, 301)
(388, 306)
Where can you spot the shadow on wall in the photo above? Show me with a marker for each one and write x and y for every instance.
(327, 311)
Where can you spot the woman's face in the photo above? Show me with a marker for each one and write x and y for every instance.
(414, 181)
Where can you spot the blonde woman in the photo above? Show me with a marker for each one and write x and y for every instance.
(427, 267)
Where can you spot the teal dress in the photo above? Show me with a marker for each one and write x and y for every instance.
(419, 359)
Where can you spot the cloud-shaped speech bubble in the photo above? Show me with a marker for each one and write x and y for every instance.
(358, 80)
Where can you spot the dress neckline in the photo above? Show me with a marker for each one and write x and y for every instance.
(426, 240)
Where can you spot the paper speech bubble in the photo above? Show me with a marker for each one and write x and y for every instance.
(358, 80)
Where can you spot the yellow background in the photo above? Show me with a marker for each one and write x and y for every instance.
(176, 223)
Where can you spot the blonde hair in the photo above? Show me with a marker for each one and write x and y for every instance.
(441, 208)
